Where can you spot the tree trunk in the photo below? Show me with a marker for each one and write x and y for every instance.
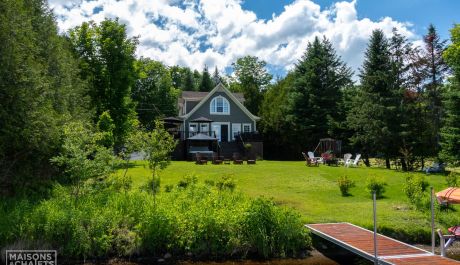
(366, 160)
(387, 163)
(403, 164)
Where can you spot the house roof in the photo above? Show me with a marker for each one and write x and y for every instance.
(197, 96)
(201, 119)
(221, 88)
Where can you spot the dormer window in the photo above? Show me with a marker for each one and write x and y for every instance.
(219, 105)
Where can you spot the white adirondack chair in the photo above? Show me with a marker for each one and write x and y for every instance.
(355, 162)
(346, 158)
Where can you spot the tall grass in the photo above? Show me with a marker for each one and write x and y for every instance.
(198, 221)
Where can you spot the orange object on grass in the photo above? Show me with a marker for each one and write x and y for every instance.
(450, 195)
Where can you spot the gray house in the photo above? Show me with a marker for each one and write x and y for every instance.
(216, 122)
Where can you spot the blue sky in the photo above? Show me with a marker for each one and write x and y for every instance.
(215, 33)
(442, 13)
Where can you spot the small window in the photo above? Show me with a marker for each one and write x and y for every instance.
(219, 105)
(204, 127)
(193, 129)
(246, 127)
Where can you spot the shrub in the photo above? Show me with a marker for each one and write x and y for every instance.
(226, 182)
(169, 188)
(187, 180)
(200, 219)
(452, 179)
(271, 231)
(415, 189)
(345, 184)
(377, 185)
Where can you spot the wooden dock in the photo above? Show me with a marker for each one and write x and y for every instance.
(390, 251)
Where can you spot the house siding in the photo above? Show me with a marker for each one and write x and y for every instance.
(236, 114)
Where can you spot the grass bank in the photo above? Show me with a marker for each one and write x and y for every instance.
(313, 192)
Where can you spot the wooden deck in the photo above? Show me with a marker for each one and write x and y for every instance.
(390, 251)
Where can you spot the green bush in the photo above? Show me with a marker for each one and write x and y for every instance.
(208, 222)
(452, 179)
(226, 182)
(415, 189)
(345, 184)
(187, 180)
(377, 185)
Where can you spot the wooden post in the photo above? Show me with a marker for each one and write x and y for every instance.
(433, 242)
(374, 198)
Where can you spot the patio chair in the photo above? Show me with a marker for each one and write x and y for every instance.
(355, 162)
(436, 168)
(200, 159)
(251, 160)
(237, 159)
(346, 158)
(311, 155)
(451, 238)
(310, 161)
(216, 160)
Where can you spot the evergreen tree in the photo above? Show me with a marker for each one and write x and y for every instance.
(40, 91)
(320, 77)
(107, 63)
(433, 70)
(375, 107)
(450, 133)
(216, 77)
(252, 79)
(206, 84)
(188, 83)
(197, 80)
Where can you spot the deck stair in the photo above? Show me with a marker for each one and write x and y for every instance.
(390, 251)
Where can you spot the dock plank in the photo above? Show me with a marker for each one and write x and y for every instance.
(390, 251)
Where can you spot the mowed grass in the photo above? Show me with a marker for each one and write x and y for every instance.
(313, 192)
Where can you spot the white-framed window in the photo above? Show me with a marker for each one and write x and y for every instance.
(246, 127)
(236, 129)
(204, 127)
(220, 105)
(192, 128)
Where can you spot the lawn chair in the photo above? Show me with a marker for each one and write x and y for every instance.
(346, 158)
(237, 159)
(436, 168)
(312, 157)
(355, 162)
(216, 160)
(448, 240)
(200, 159)
(310, 161)
(251, 160)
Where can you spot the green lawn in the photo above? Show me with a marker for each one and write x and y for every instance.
(314, 193)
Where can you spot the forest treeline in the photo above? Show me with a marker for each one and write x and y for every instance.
(405, 104)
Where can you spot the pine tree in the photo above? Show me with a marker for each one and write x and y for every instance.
(433, 70)
(216, 77)
(450, 133)
(188, 83)
(375, 107)
(319, 78)
(206, 84)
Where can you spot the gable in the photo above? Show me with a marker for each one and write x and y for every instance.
(237, 109)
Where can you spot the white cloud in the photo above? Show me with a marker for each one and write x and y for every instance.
(216, 32)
